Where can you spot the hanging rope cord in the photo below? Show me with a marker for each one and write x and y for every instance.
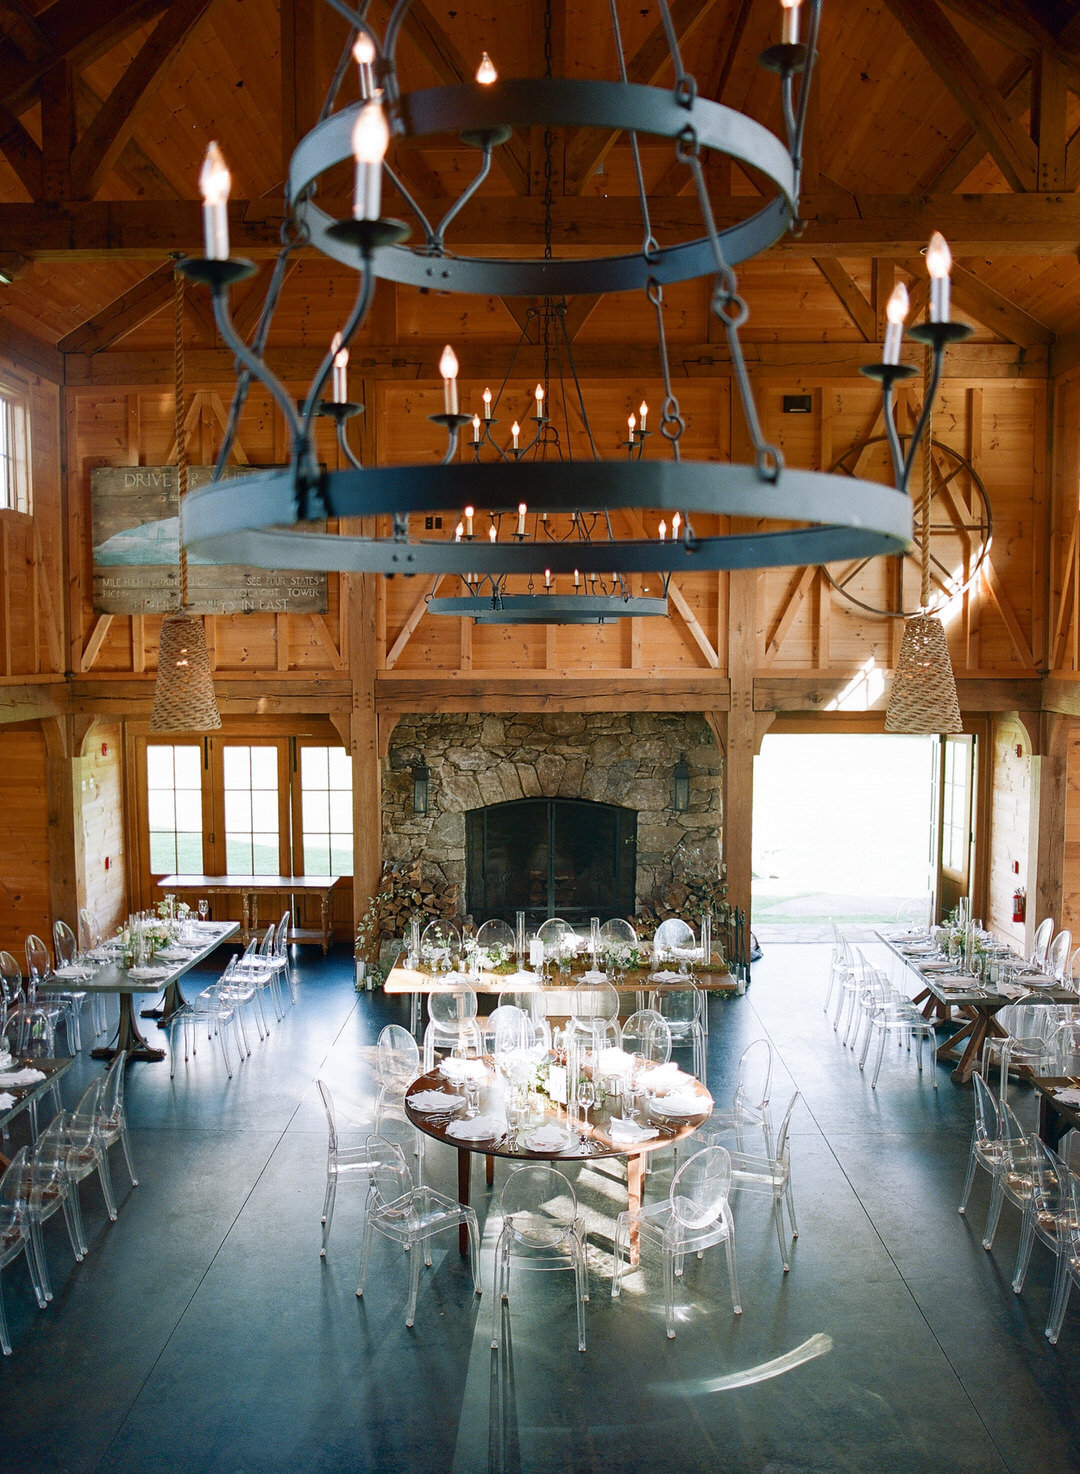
(927, 486)
(180, 410)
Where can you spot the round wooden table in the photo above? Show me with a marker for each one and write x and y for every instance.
(583, 1145)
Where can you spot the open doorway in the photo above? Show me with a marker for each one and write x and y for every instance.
(844, 828)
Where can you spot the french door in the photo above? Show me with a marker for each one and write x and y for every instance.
(954, 829)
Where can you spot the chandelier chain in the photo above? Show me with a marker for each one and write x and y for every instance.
(685, 84)
(650, 248)
(672, 423)
(927, 486)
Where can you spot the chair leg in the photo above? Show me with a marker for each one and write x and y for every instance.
(736, 1304)
(993, 1213)
(969, 1179)
(328, 1210)
(126, 1148)
(105, 1178)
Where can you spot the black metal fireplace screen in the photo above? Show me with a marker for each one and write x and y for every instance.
(551, 857)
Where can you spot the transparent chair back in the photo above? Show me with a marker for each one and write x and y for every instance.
(1041, 944)
(496, 934)
(554, 933)
(65, 944)
(646, 1033)
(673, 937)
(530, 1000)
(618, 930)
(440, 943)
(1059, 955)
(541, 1230)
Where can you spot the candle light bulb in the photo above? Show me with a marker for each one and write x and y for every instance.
(663, 530)
(364, 54)
(632, 425)
(515, 431)
(448, 367)
(493, 535)
(487, 404)
(485, 72)
(538, 393)
(215, 182)
(790, 32)
(522, 509)
(938, 264)
(676, 523)
(370, 137)
(468, 521)
(458, 530)
(340, 390)
(577, 579)
(547, 578)
(643, 410)
(476, 429)
(896, 310)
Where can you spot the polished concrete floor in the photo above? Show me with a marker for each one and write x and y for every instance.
(203, 1332)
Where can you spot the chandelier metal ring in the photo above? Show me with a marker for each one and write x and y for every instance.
(564, 102)
(850, 518)
(541, 608)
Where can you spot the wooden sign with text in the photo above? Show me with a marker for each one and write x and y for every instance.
(136, 540)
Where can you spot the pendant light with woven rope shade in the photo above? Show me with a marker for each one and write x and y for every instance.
(184, 699)
(922, 700)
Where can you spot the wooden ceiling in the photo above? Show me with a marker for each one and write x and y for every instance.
(962, 115)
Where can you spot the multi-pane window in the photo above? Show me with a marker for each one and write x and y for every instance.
(326, 810)
(14, 450)
(174, 804)
(252, 826)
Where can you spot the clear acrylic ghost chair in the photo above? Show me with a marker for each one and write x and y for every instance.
(353, 1162)
(619, 931)
(556, 936)
(1067, 1269)
(13, 1037)
(890, 1015)
(1049, 1211)
(48, 1186)
(15, 1236)
(214, 1011)
(496, 934)
(1041, 942)
(87, 1150)
(1026, 1043)
(1059, 956)
(90, 939)
(452, 1023)
(529, 1000)
(673, 941)
(541, 1230)
(1000, 1146)
(839, 963)
(695, 1217)
(440, 943)
(1065, 1056)
(750, 1102)
(410, 1216)
(240, 982)
(68, 960)
(35, 1024)
(112, 1120)
(646, 1035)
(506, 1028)
(680, 1006)
(771, 1174)
(59, 1005)
(281, 966)
(397, 1065)
(593, 1021)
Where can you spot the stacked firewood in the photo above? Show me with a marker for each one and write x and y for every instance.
(404, 892)
(687, 899)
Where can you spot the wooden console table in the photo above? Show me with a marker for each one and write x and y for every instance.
(250, 887)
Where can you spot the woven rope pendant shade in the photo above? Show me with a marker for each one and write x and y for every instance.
(184, 693)
(923, 696)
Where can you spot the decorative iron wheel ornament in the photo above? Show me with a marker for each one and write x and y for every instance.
(961, 532)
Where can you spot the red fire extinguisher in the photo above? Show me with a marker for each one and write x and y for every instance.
(1019, 904)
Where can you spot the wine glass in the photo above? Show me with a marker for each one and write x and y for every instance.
(204, 908)
(586, 1098)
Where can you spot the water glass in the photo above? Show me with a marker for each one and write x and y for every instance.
(204, 908)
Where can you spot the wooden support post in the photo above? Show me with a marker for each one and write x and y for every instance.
(1050, 878)
(366, 771)
(741, 734)
(59, 768)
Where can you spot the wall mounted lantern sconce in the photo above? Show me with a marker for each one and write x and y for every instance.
(421, 785)
(680, 798)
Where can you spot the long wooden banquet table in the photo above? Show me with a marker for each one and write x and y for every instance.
(977, 1002)
(113, 978)
(490, 984)
(250, 887)
(581, 1143)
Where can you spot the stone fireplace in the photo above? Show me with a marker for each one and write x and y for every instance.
(624, 760)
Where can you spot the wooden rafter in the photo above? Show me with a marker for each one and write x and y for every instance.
(1019, 28)
(729, 47)
(1048, 120)
(77, 33)
(587, 150)
(997, 591)
(21, 152)
(803, 583)
(412, 619)
(326, 640)
(102, 143)
(959, 70)
(128, 312)
(966, 148)
(849, 296)
(990, 308)
(858, 226)
(95, 640)
(23, 29)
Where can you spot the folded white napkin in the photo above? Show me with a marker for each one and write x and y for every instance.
(550, 1138)
(6, 1100)
(663, 976)
(434, 1100)
(593, 977)
(147, 972)
(25, 1076)
(460, 1070)
(955, 982)
(681, 1103)
(176, 954)
(1010, 990)
(942, 964)
(103, 954)
(5, 1059)
(453, 979)
(665, 1077)
(623, 1132)
(479, 1128)
(71, 972)
(1068, 1097)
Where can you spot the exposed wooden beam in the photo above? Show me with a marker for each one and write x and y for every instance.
(21, 152)
(551, 691)
(75, 32)
(34, 353)
(102, 143)
(849, 296)
(815, 693)
(966, 148)
(389, 361)
(993, 310)
(23, 29)
(728, 47)
(129, 311)
(58, 128)
(959, 70)
(589, 147)
(1048, 119)
(578, 312)
(857, 226)
(301, 44)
